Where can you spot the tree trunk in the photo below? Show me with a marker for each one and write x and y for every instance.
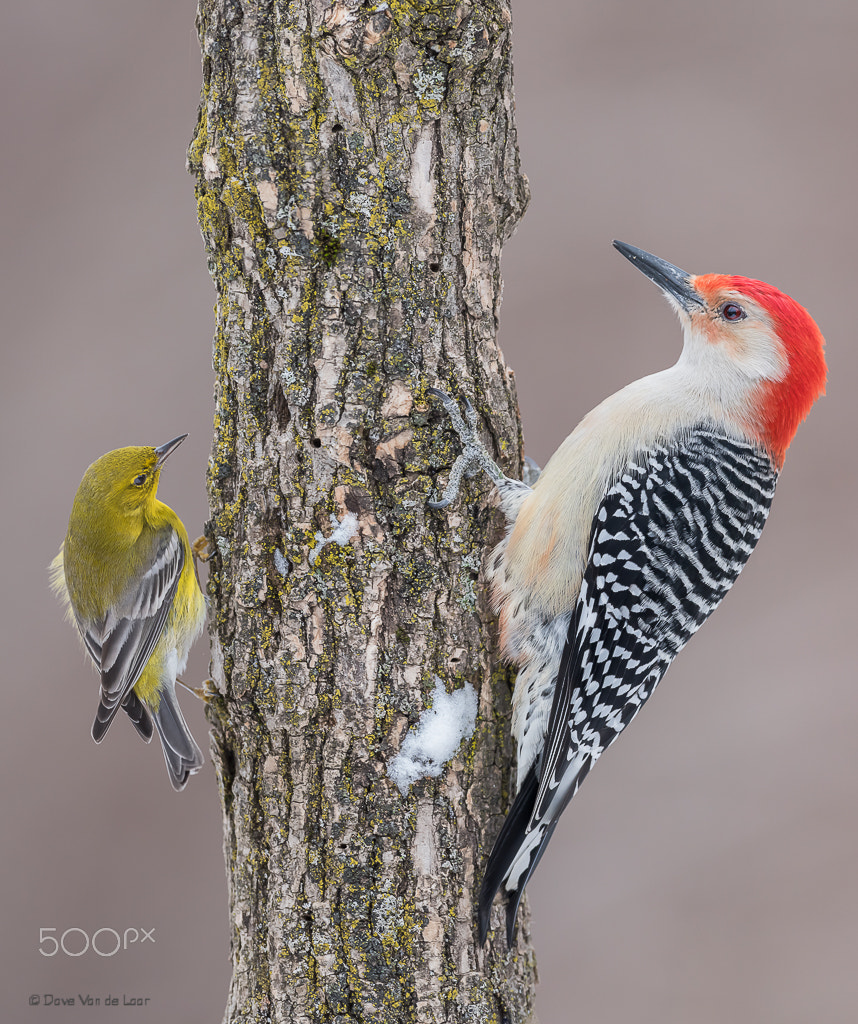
(357, 174)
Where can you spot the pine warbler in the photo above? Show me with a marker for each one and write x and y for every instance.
(126, 575)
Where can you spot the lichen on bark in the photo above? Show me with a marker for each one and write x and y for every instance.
(356, 176)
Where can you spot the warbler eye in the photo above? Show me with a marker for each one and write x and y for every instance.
(731, 311)
(140, 480)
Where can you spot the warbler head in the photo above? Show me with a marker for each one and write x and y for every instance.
(125, 480)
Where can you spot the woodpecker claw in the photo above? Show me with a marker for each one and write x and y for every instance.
(470, 413)
(474, 457)
(467, 432)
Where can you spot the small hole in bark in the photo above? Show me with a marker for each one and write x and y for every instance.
(435, 267)
(337, 128)
(316, 442)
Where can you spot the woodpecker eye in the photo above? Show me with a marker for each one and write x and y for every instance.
(730, 311)
(140, 480)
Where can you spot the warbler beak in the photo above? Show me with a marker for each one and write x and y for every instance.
(165, 449)
(675, 283)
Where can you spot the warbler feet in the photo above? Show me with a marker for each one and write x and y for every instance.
(202, 549)
(474, 457)
(205, 693)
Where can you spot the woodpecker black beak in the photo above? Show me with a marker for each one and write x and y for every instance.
(165, 449)
(673, 281)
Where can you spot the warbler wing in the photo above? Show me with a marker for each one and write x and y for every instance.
(132, 705)
(133, 627)
(92, 644)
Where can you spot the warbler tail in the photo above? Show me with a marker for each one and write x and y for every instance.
(139, 715)
(181, 753)
(104, 716)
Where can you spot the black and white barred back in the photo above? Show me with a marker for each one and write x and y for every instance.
(667, 543)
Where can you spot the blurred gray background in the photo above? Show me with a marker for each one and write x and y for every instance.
(706, 870)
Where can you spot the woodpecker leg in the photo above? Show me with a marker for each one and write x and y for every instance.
(530, 471)
(204, 693)
(473, 459)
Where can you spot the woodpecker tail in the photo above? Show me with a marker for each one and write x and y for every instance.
(181, 752)
(522, 841)
(504, 854)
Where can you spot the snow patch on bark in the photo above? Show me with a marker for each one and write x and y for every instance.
(344, 530)
(437, 737)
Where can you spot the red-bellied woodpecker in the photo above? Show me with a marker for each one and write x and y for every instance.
(634, 532)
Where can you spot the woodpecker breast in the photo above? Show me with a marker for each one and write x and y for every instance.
(542, 560)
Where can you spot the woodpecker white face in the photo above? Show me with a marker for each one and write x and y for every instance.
(732, 334)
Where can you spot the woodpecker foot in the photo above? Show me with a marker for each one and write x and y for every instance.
(473, 459)
(205, 693)
(202, 549)
(530, 471)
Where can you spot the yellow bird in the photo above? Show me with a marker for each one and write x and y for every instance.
(126, 575)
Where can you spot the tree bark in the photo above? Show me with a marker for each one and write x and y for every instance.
(356, 174)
